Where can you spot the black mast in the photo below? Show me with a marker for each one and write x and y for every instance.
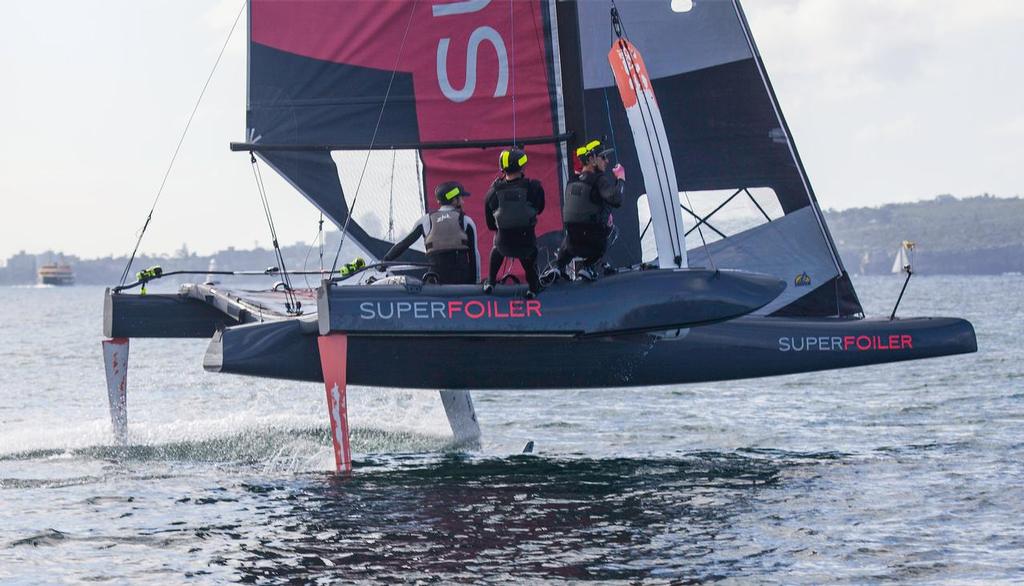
(572, 71)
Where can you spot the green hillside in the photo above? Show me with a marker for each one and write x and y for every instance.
(975, 235)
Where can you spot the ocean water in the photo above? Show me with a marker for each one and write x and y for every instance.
(905, 472)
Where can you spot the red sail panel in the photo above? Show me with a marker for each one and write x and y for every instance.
(480, 71)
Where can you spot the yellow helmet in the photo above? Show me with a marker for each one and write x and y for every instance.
(448, 191)
(512, 160)
(591, 149)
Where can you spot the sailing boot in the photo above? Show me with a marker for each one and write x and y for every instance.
(586, 274)
(552, 276)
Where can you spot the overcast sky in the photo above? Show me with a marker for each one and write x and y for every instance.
(888, 100)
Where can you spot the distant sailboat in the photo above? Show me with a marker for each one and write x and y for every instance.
(211, 277)
(904, 257)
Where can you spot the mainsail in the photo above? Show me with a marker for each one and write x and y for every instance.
(335, 75)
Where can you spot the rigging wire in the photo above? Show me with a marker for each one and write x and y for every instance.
(608, 109)
(391, 199)
(703, 242)
(611, 126)
(419, 183)
(373, 137)
(291, 303)
(321, 233)
(318, 240)
(607, 104)
(177, 148)
(512, 65)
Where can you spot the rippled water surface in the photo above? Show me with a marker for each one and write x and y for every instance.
(909, 472)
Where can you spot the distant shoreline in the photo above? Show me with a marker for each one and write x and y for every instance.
(979, 235)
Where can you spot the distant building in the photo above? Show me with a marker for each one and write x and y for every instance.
(21, 269)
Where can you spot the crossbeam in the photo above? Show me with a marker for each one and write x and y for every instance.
(705, 219)
(419, 146)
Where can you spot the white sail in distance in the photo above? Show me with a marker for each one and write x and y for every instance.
(903, 262)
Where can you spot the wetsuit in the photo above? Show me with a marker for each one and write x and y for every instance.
(450, 237)
(511, 208)
(589, 200)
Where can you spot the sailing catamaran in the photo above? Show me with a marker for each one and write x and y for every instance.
(680, 91)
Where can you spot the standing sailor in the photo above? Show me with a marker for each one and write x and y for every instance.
(449, 236)
(511, 208)
(589, 199)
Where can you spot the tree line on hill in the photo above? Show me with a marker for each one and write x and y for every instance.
(979, 235)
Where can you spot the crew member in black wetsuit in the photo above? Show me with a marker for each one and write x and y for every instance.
(511, 208)
(589, 199)
(450, 238)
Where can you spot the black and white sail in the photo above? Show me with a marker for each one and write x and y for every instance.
(728, 139)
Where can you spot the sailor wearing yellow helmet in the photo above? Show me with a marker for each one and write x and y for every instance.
(449, 236)
(589, 199)
(511, 208)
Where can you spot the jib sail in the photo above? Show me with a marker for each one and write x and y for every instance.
(729, 142)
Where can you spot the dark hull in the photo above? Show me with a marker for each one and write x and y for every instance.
(58, 281)
(628, 302)
(164, 316)
(742, 348)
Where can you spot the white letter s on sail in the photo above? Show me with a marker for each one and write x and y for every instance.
(484, 33)
(463, 7)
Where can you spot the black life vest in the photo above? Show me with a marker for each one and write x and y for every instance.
(583, 205)
(514, 209)
(446, 232)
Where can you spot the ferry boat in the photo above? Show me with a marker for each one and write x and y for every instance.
(56, 274)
